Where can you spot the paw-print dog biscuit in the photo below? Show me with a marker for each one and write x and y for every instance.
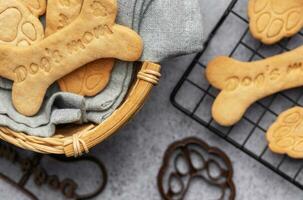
(243, 83)
(272, 20)
(285, 135)
(90, 79)
(93, 35)
(19, 27)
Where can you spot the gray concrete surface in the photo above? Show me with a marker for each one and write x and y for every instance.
(134, 155)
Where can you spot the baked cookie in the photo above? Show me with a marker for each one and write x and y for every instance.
(285, 136)
(244, 83)
(37, 7)
(90, 79)
(19, 27)
(272, 20)
(91, 36)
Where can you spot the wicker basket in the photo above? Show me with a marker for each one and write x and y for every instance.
(75, 140)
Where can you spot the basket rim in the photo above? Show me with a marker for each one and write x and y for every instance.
(75, 141)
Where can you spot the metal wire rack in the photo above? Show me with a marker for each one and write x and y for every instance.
(194, 96)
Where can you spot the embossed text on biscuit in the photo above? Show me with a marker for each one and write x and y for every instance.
(244, 83)
(93, 35)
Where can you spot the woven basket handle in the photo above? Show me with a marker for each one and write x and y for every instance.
(81, 142)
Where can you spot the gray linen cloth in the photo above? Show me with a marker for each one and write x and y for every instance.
(168, 27)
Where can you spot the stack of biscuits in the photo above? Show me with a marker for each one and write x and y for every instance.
(72, 61)
(76, 52)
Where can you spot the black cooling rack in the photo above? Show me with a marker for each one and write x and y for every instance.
(194, 96)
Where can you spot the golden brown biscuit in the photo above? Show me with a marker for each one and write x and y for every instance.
(61, 13)
(244, 83)
(18, 25)
(93, 35)
(37, 7)
(272, 20)
(90, 79)
(285, 136)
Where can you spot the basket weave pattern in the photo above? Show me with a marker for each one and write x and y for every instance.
(74, 141)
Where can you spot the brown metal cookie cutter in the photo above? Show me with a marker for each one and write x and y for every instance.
(191, 159)
(31, 168)
(27, 194)
(68, 187)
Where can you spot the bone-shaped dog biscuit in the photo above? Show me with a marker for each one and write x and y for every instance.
(244, 83)
(285, 136)
(93, 35)
(272, 20)
(37, 7)
(90, 79)
(19, 27)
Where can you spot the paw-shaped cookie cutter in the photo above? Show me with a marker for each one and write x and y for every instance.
(199, 161)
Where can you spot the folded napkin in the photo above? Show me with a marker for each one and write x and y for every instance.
(63, 108)
(168, 28)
